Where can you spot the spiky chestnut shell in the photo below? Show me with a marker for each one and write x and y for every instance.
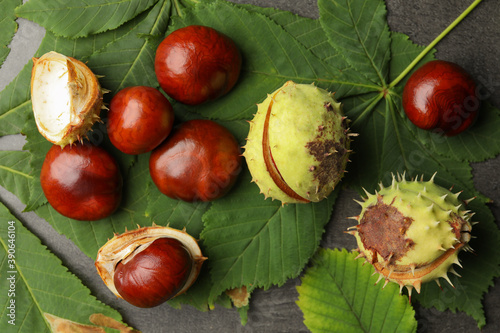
(412, 232)
(135, 266)
(66, 98)
(298, 144)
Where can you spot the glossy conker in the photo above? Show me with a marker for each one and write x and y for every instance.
(81, 181)
(196, 64)
(199, 161)
(149, 265)
(155, 274)
(441, 96)
(139, 119)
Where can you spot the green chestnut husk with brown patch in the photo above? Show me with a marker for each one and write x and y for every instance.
(298, 144)
(412, 232)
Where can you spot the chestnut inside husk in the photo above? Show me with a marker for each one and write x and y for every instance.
(164, 260)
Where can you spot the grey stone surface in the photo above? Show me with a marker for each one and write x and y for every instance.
(474, 44)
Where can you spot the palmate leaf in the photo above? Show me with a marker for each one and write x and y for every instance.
(36, 286)
(8, 26)
(256, 243)
(80, 18)
(337, 294)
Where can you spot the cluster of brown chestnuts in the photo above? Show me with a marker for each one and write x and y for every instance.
(198, 160)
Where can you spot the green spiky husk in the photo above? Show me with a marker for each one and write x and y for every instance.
(307, 138)
(412, 231)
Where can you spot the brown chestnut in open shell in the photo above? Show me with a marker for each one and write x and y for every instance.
(196, 64)
(81, 181)
(441, 96)
(199, 161)
(148, 266)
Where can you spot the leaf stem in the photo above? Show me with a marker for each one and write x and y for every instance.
(433, 43)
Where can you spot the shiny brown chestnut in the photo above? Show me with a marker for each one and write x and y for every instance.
(196, 64)
(149, 265)
(155, 274)
(139, 119)
(441, 96)
(81, 181)
(199, 161)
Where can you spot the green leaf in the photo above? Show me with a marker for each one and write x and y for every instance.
(36, 285)
(337, 294)
(16, 173)
(258, 243)
(358, 29)
(8, 26)
(403, 52)
(124, 61)
(176, 213)
(480, 142)
(15, 103)
(80, 18)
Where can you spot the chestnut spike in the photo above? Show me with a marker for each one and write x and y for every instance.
(412, 267)
(433, 177)
(368, 194)
(361, 255)
(453, 271)
(417, 284)
(445, 276)
(358, 202)
(467, 201)
(410, 289)
(401, 285)
(457, 262)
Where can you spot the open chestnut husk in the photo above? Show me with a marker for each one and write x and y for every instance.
(150, 265)
(66, 97)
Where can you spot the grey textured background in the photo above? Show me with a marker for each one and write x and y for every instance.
(474, 44)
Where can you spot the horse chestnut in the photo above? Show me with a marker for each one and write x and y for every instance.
(198, 162)
(139, 119)
(155, 274)
(441, 96)
(149, 265)
(81, 181)
(196, 64)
